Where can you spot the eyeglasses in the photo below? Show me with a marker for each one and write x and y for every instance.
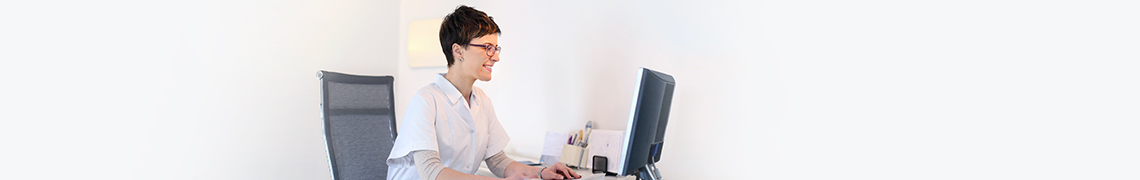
(491, 49)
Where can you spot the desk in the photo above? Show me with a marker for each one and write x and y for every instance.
(484, 171)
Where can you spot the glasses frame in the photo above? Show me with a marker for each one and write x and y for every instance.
(490, 49)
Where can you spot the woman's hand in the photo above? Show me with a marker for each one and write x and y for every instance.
(559, 171)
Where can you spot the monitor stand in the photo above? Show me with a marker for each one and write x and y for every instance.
(649, 172)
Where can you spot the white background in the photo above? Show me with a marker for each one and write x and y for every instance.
(765, 89)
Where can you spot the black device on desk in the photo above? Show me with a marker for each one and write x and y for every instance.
(600, 165)
(645, 134)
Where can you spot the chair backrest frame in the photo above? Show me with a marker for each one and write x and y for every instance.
(329, 76)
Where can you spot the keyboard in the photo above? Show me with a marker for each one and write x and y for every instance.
(586, 177)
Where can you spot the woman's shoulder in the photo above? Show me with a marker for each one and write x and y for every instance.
(428, 92)
(477, 90)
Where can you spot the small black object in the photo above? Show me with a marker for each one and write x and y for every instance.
(600, 163)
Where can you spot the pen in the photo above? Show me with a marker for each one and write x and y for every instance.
(577, 138)
(589, 128)
(581, 138)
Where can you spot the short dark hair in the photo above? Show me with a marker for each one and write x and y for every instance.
(463, 25)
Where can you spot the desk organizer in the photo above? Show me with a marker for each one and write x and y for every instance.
(575, 156)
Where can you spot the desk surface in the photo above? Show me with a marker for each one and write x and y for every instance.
(584, 172)
(484, 171)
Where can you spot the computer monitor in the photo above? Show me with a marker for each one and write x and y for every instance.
(645, 134)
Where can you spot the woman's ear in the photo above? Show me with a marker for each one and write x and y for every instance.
(456, 52)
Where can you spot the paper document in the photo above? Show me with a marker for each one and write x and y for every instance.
(552, 148)
(606, 143)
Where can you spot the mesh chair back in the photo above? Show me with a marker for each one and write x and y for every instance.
(359, 122)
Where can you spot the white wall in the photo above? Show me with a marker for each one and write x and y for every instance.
(829, 89)
(179, 89)
(957, 90)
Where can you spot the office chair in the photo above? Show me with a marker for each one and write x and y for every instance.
(360, 124)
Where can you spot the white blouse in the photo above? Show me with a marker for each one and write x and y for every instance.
(438, 119)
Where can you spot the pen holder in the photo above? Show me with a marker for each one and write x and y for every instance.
(574, 156)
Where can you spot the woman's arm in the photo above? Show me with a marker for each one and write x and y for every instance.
(504, 166)
(448, 173)
(430, 168)
(516, 168)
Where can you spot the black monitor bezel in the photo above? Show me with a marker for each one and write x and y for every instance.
(642, 148)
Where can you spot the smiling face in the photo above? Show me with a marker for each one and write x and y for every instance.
(473, 61)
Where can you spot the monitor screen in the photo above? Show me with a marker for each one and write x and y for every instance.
(649, 114)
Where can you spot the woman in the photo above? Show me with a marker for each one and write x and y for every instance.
(450, 125)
